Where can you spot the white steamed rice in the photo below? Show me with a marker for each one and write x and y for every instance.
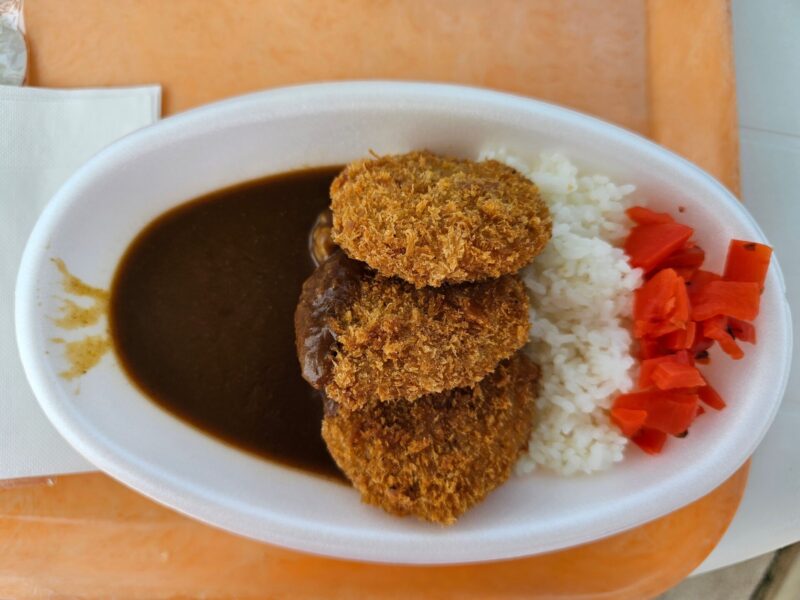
(581, 295)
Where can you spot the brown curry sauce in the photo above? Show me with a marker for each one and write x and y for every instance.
(201, 315)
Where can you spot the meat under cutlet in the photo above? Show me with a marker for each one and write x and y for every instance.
(364, 338)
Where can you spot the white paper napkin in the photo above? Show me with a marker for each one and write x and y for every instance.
(44, 136)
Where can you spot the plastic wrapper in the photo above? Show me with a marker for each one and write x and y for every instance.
(13, 49)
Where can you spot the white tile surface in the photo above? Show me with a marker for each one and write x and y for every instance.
(767, 44)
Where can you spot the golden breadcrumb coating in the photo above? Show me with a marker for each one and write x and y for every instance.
(431, 220)
(438, 456)
(362, 337)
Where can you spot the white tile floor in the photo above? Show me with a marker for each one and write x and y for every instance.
(767, 45)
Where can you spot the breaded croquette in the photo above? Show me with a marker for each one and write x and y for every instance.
(361, 337)
(438, 456)
(431, 220)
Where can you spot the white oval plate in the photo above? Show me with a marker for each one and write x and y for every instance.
(91, 220)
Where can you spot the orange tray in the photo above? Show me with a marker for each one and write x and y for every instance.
(661, 67)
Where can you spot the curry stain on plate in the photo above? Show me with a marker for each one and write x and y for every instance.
(84, 353)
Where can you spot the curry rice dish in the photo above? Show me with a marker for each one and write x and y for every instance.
(419, 388)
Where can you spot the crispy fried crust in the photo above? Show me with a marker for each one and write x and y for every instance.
(362, 336)
(431, 220)
(438, 456)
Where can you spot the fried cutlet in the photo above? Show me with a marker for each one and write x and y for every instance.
(432, 220)
(438, 456)
(362, 336)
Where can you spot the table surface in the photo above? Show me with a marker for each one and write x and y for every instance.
(619, 61)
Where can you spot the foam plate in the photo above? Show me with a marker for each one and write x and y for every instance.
(91, 220)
